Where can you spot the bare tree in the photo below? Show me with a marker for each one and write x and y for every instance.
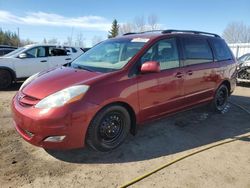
(96, 39)
(79, 40)
(44, 41)
(126, 28)
(152, 22)
(52, 41)
(26, 42)
(140, 23)
(69, 41)
(237, 32)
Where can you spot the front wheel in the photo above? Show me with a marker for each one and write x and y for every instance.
(220, 101)
(109, 128)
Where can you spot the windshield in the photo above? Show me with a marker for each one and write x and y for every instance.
(14, 52)
(110, 55)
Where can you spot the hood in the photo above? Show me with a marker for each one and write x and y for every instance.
(245, 64)
(51, 81)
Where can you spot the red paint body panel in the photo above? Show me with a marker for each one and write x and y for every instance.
(150, 95)
(71, 121)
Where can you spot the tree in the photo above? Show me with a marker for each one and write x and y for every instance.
(96, 40)
(8, 38)
(237, 32)
(26, 42)
(152, 22)
(140, 24)
(44, 41)
(114, 29)
(79, 40)
(126, 28)
(53, 41)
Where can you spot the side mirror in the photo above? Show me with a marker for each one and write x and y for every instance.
(150, 67)
(22, 55)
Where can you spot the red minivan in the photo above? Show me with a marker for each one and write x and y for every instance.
(121, 83)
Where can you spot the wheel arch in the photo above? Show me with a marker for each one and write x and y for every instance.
(227, 84)
(129, 108)
(11, 71)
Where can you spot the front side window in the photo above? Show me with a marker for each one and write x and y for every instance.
(36, 52)
(196, 51)
(109, 55)
(165, 52)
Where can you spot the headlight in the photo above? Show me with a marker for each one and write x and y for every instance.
(33, 77)
(62, 97)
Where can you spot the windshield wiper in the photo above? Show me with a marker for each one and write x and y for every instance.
(83, 67)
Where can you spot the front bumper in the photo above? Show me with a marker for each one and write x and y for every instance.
(71, 121)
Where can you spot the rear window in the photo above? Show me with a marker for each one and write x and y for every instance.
(222, 51)
(196, 51)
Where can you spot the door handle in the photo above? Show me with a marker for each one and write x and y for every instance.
(189, 72)
(43, 61)
(179, 75)
(68, 59)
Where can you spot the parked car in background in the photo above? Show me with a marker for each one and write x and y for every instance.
(243, 58)
(30, 59)
(5, 49)
(121, 83)
(243, 73)
(85, 49)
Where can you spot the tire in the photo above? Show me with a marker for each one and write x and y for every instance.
(220, 101)
(5, 79)
(109, 128)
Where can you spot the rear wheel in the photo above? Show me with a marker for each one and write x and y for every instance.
(5, 79)
(109, 128)
(221, 99)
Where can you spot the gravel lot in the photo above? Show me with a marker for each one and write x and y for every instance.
(24, 165)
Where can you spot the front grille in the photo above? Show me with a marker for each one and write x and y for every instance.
(26, 100)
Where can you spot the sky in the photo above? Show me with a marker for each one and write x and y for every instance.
(90, 19)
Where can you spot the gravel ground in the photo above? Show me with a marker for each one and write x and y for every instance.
(158, 142)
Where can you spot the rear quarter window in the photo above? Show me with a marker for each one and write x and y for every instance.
(221, 50)
(196, 51)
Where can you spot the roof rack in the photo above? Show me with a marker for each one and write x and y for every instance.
(151, 31)
(189, 31)
(130, 33)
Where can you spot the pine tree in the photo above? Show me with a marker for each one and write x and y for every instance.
(114, 29)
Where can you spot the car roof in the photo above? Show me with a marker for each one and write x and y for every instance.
(56, 45)
(158, 33)
(7, 46)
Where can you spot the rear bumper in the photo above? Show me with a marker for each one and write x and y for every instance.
(71, 121)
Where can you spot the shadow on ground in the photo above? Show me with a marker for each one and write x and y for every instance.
(244, 84)
(181, 132)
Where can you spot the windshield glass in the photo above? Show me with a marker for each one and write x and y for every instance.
(14, 52)
(110, 55)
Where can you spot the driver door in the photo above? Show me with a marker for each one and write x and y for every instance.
(160, 93)
(35, 61)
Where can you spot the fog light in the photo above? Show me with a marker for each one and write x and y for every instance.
(30, 134)
(55, 138)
